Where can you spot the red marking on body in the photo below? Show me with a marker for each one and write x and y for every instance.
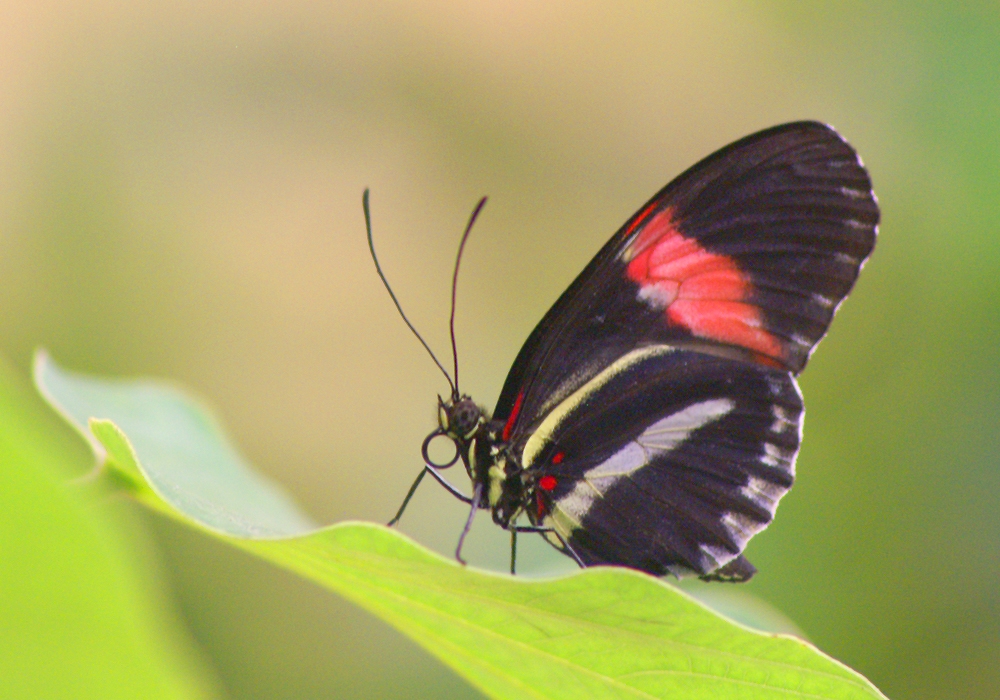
(558, 457)
(640, 218)
(509, 425)
(547, 482)
(540, 503)
(701, 291)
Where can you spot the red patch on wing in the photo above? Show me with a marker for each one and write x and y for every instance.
(557, 458)
(701, 291)
(509, 425)
(547, 484)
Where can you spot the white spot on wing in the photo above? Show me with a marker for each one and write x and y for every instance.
(659, 438)
(825, 302)
(775, 456)
(801, 340)
(853, 193)
(654, 296)
(771, 454)
(763, 493)
(782, 420)
(742, 528)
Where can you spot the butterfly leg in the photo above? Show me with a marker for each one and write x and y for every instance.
(441, 480)
(477, 494)
(514, 529)
(566, 547)
(513, 550)
(409, 495)
(448, 487)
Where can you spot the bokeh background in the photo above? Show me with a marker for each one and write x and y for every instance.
(180, 196)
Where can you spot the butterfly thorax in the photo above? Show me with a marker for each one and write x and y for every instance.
(487, 457)
(496, 464)
(486, 454)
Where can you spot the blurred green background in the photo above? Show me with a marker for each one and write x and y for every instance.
(180, 196)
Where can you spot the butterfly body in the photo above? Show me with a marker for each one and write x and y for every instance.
(652, 418)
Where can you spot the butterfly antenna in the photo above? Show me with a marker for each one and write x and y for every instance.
(454, 286)
(378, 268)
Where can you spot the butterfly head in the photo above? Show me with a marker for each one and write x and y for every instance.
(460, 418)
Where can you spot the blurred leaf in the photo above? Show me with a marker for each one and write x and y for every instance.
(76, 618)
(186, 459)
(600, 633)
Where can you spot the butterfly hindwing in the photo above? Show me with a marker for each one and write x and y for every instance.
(667, 460)
(746, 255)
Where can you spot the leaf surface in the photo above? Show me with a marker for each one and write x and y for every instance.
(80, 616)
(599, 633)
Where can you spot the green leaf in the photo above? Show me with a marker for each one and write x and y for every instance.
(186, 460)
(78, 618)
(600, 633)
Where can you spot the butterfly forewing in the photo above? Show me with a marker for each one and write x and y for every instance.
(747, 255)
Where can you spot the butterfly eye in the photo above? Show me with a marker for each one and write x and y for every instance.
(463, 418)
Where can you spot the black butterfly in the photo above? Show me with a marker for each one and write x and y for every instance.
(652, 418)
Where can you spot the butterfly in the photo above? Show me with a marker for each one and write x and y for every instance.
(652, 418)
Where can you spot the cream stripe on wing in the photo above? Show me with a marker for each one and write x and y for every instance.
(540, 438)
